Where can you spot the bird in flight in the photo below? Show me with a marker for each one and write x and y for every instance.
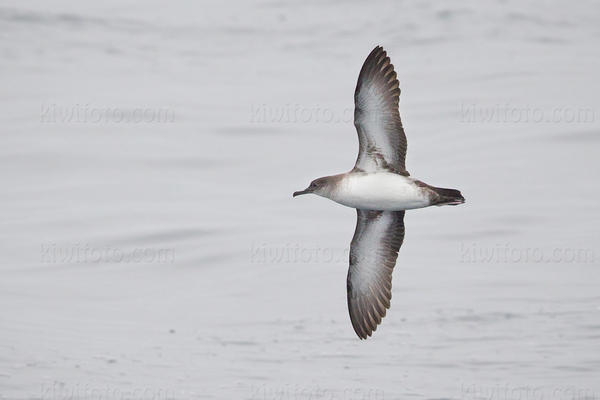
(380, 189)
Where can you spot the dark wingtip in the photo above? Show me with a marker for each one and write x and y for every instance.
(362, 336)
(376, 49)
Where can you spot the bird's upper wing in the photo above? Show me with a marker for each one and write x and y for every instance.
(380, 134)
(373, 252)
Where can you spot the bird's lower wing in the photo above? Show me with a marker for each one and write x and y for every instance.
(373, 252)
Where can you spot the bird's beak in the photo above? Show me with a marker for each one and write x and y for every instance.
(298, 193)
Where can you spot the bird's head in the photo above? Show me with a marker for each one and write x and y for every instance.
(320, 186)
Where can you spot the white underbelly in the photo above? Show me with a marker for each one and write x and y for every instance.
(380, 191)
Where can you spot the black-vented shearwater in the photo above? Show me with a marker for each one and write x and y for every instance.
(380, 189)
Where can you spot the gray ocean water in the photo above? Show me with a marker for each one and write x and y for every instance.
(151, 248)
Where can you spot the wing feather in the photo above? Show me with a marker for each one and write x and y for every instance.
(373, 252)
(381, 137)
